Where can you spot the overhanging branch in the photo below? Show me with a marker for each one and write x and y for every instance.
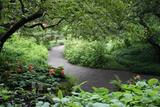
(7, 25)
(19, 24)
(43, 26)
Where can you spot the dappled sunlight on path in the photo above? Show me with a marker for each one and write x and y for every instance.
(94, 77)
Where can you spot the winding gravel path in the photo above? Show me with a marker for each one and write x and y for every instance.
(94, 77)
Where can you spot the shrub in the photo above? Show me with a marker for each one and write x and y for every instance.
(93, 54)
(113, 53)
(22, 51)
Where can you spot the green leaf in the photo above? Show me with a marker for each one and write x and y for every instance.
(100, 105)
(152, 82)
(46, 104)
(60, 94)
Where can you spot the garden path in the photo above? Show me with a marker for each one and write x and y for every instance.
(94, 77)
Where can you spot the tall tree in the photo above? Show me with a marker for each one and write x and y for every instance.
(17, 13)
(87, 18)
(147, 12)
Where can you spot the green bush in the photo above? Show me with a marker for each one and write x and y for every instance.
(22, 51)
(113, 53)
(54, 43)
(92, 54)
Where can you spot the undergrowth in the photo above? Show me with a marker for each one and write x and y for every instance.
(22, 51)
(113, 53)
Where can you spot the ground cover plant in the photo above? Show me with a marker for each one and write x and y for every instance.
(137, 94)
(25, 75)
(134, 93)
(24, 88)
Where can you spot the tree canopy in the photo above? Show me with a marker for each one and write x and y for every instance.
(88, 18)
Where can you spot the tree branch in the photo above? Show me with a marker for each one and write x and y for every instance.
(143, 23)
(22, 6)
(45, 27)
(7, 25)
(35, 25)
(19, 24)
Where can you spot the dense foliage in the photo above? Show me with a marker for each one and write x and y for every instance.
(25, 88)
(20, 51)
(112, 34)
(139, 93)
(49, 37)
(113, 53)
(25, 75)
(90, 19)
(131, 38)
(50, 14)
(131, 20)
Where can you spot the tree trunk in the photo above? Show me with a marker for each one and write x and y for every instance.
(19, 24)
